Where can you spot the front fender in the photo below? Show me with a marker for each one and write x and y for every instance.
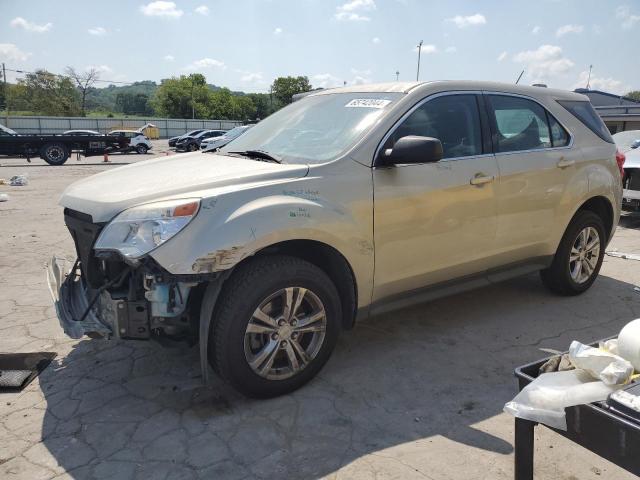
(227, 230)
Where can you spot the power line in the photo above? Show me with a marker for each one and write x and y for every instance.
(67, 76)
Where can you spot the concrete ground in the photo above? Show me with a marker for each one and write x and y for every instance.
(413, 394)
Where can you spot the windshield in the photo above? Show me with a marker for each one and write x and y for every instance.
(315, 129)
(6, 131)
(235, 131)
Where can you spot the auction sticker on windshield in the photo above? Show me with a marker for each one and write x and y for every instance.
(368, 103)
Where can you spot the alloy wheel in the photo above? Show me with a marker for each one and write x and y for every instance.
(285, 333)
(584, 255)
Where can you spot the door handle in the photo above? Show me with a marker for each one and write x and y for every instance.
(480, 179)
(563, 163)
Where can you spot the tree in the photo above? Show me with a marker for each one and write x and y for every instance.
(634, 95)
(49, 94)
(284, 88)
(131, 103)
(183, 97)
(263, 105)
(84, 81)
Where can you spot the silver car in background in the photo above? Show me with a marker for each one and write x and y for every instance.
(628, 143)
(214, 143)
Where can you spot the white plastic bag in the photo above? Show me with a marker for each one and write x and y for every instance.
(545, 399)
(600, 364)
(19, 181)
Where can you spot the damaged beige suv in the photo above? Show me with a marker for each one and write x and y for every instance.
(347, 203)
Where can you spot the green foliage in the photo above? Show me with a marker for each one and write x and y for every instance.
(634, 95)
(43, 93)
(47, 94)
(133, 103)
(284, 88)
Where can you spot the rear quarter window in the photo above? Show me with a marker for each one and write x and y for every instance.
(585, 112)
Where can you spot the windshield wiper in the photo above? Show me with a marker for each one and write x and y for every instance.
(259, 154)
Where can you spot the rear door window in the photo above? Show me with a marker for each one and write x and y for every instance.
(559, 136)
(519, 124)
(585, 112)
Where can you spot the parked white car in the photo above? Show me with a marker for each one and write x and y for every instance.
(138, 141)
(347, 203)
(627, 140)
(218, 142)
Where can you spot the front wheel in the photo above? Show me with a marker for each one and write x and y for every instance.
(54, 153)
(275, 326)
(141, 149)
(579, 256)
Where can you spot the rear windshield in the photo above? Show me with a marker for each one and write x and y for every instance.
(585, 112)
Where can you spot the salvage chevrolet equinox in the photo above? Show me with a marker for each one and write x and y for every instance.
(345, 204)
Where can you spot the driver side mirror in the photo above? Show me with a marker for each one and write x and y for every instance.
(412, 149)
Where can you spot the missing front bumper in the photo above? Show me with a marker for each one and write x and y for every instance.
(71, 299)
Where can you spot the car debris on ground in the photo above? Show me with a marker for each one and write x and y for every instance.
(19, 181)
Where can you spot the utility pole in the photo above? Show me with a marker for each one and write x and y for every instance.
(419, 51)
(6, 96)
(397, 75)
(589, 79)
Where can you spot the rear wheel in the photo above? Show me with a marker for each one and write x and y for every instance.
(54, 153)
(275, 326)
(579, 257)
(141, 149)
(193, 147)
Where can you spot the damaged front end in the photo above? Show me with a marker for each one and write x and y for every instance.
(104, 296)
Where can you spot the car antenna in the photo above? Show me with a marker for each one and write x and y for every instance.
(520, 76)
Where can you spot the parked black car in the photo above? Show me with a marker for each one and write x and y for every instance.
(192, 143)
(173, 140)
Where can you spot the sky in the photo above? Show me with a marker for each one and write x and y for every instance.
(245, 44)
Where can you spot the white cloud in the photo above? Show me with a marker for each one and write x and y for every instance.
(360, 80)
(468, 21)
(20, 22)
(535, 30)
(252, 77)
(98, 31)
(161, 8)
(101, 69)
(427, 49)
(628, 19)
(352, 10)
(502, 56)
(169, 58)
(11, 52)
(202, 10)
(325, 80)
(375, 40)
(205, 63)
(609, 84)
(277, 31)
(545, 61)
(565, 29)
(451, 49)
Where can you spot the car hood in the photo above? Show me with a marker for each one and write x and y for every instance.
(108, 193)
(632, 158)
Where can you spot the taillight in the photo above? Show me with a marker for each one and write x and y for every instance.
(620, 158)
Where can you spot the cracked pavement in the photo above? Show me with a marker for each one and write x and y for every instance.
(412, 394)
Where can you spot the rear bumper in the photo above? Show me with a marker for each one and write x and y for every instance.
(71, 299)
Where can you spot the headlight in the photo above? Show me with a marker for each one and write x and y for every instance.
(138, 230)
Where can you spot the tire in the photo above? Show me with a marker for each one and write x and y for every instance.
(193, 147)
(54, 153)
(141, 149)
(561, 276)
(232, 347)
